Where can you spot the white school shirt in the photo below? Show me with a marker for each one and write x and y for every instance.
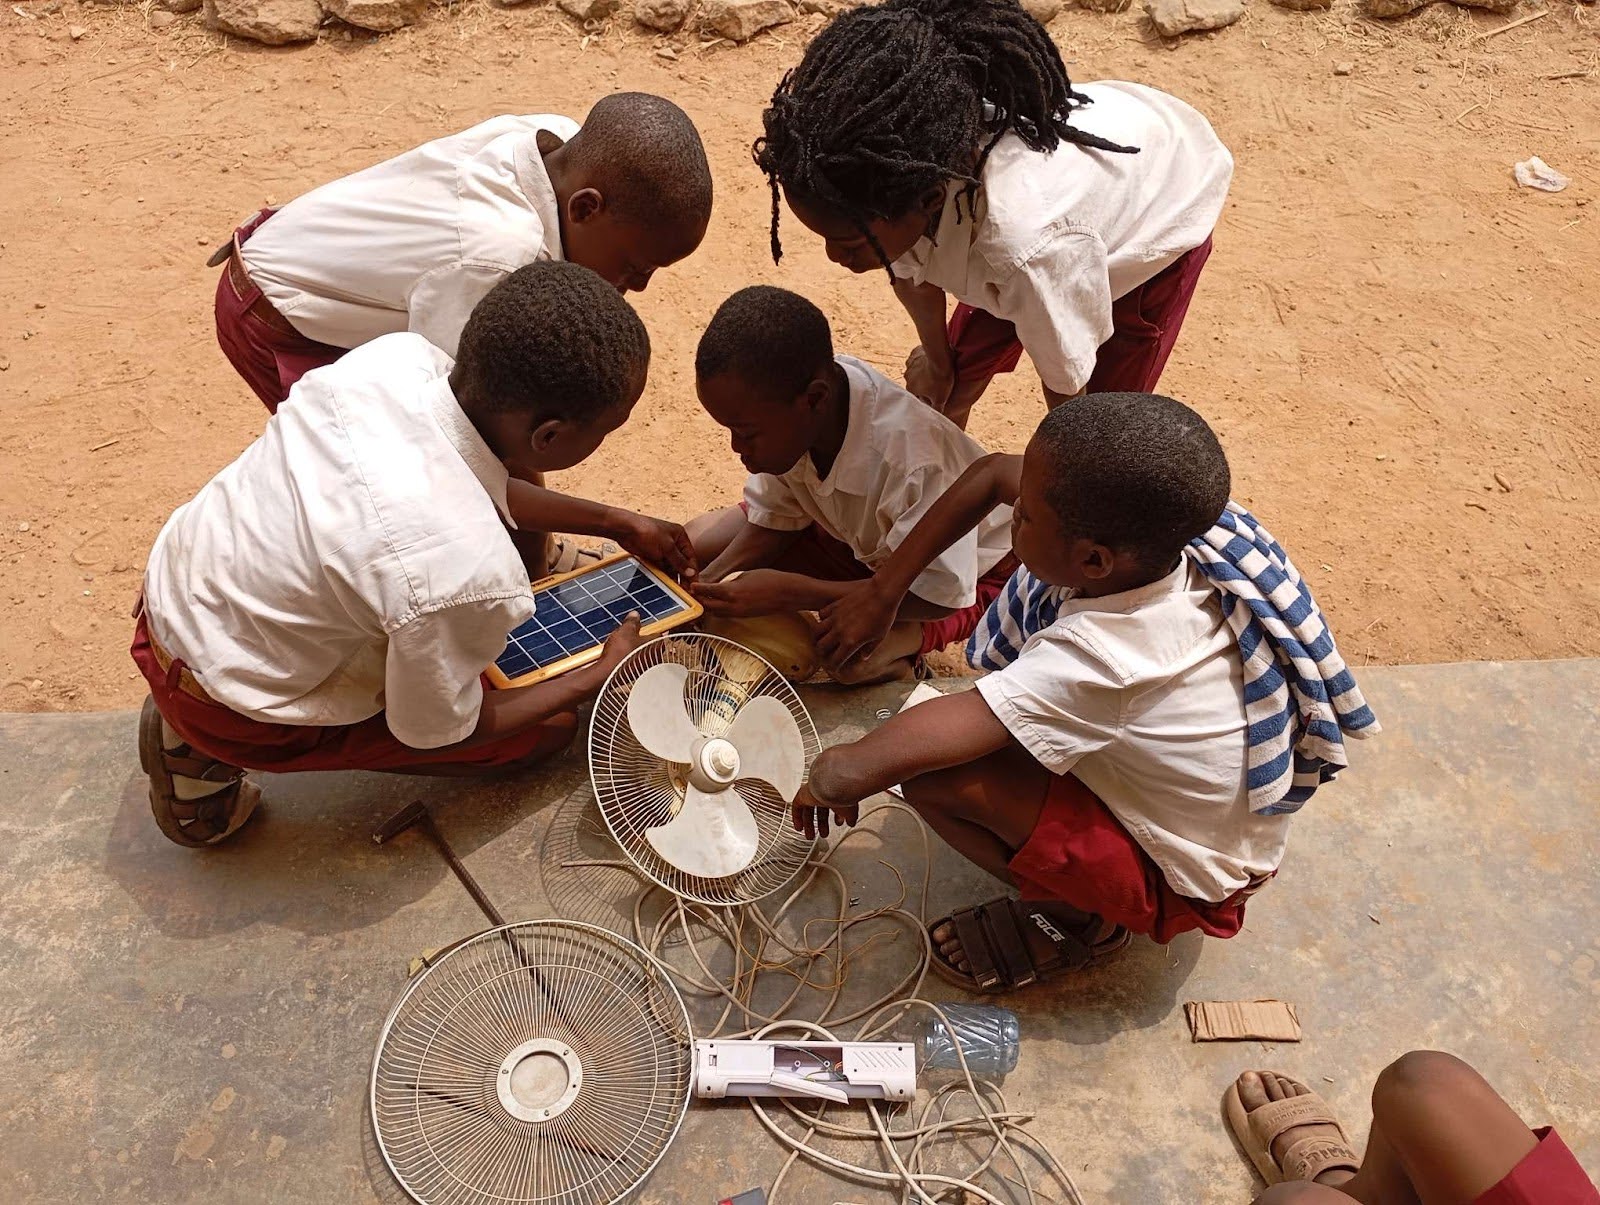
(413, 243)
(1141, 696)
(354, 559)
(899, 455)
(1057, 237)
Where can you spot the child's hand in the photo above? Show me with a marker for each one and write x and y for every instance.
(619, 644)
(931, 378)
(754, 592)
(659, 542)
(855, 625)
(810, 815)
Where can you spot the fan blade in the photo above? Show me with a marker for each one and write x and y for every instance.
(657, 716)
(770, 745)
(714, 834)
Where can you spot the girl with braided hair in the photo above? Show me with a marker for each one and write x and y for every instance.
(943, 141)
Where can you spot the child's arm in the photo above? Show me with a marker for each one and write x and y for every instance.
(770, 591)
(856, 623)
(753, 548)
(655, 540)
(927, 304)
(936, 735)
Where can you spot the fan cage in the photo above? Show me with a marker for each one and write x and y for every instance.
(595, 998)
(637, 791)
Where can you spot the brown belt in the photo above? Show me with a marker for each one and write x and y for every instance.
(187, 682)
(260, 308)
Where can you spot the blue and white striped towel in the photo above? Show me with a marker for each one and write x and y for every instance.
(1301, 701)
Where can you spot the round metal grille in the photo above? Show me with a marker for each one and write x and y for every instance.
(545, 1062)
(638, 791)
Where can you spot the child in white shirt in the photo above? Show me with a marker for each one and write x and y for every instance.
(843, 463)
(1105, 771)
(330, 599)
(413, 243)
(943, 140)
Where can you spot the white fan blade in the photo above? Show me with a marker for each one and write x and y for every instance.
(714, 834)
(770, 745)
(657, 716)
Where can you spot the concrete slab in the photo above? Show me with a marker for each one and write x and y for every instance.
(199, 1027)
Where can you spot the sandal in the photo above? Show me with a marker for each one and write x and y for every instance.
(1011, 944)
(567, 555)
(1305, 1160)
(193, 823)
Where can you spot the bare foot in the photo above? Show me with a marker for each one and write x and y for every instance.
(1257, 1088)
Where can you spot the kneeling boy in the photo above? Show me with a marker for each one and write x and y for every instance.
(329, 600)
(843, 463)
(1132, 762)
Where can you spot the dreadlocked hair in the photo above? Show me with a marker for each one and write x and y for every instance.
(897, 98)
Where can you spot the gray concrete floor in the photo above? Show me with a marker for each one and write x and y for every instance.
(179, 1026)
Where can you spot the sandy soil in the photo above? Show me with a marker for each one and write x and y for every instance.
(1398, 345)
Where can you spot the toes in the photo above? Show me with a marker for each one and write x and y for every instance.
(1252, 1091)
(1293, 1087)
(1275, 1088)
(943, 933)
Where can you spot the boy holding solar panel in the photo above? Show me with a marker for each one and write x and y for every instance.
(330, 599)
(843, 463)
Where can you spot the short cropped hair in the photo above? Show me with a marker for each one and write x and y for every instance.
(1136, 472)
(773, 339)
(647, 159)
(554, 340)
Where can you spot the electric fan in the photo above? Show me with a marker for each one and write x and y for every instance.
(543, 1063)
(696, 750)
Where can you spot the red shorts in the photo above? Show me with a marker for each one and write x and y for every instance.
(817, 554)
(1079, 854)
(1548, 1175)
(224, 734)
(1145, 325)
(269, 360)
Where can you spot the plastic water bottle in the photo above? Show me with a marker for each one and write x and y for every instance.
(989, 1037)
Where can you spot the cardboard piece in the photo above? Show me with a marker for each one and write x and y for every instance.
(1242, 1020)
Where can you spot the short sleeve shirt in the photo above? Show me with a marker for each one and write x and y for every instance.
(899, 456)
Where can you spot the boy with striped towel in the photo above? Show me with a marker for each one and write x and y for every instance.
(1163, 696)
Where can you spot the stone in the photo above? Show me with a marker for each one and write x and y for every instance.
(741, 20)
(180, 6)
(663, 15)
(1042, 11)
(590, 10)
(1343, 68)
(1493, 6)
(161, 19)
(273, 22)
(1304, 6)
(822, 8)
(1385, 10)
(380, 16)
(1106, 6)
(1174, 17)
(75, 33)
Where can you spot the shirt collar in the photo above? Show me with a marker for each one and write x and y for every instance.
(1128, 600)
(943, 259)
(463, 436)
(536, 186)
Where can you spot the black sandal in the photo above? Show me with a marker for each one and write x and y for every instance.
(193, 823)
(1010, 944)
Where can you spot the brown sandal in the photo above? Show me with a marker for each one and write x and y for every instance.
(1306, 1159)
(1011, 944)
(193, 823)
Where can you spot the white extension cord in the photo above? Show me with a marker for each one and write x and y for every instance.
(757, 949)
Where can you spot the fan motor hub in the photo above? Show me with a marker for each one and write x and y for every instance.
(714, 764)
(538, 1080)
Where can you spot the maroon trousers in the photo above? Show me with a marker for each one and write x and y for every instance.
(1145, 325)
(269, 359)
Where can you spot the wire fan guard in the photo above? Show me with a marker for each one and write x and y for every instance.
(546, 1062)
(638, 791)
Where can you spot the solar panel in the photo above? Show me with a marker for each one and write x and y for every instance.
(574, 614)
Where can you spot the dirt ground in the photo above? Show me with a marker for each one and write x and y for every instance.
(1398, 345)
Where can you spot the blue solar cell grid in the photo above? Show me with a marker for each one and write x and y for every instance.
(580, 613)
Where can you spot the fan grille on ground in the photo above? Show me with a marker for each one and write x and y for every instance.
(593, 1009)
(637, 791)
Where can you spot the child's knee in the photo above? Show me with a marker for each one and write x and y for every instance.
(1418, 1079)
